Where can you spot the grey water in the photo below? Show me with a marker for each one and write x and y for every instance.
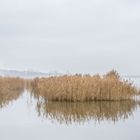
(27, 118)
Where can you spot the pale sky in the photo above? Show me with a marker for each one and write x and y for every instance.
(87, 36)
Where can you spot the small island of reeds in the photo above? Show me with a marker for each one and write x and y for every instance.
(10, 89)
(80, 88)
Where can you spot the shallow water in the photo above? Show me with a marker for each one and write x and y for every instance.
(29, 118)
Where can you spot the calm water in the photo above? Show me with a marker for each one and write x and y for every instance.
(23, 117)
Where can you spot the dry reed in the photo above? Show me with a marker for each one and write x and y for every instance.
(10, 89)
(83, 88)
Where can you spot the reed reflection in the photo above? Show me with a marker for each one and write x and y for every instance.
(10, 89)
(69, 112)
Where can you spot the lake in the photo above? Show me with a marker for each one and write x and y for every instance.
(25, 117)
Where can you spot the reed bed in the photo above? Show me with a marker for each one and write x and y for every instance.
(10, 89)
(78, 87)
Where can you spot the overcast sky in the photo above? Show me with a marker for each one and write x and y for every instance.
(87, 36)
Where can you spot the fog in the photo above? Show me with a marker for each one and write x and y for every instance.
(70, 35)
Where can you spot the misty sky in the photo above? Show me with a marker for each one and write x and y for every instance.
(87, 36)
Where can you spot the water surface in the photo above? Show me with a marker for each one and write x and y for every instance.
(24, 117)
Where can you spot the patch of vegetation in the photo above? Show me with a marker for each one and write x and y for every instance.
(74, 88)
(10, 89)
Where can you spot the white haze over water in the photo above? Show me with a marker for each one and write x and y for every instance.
(70, 35)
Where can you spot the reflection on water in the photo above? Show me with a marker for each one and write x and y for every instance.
(69, 112)
(23, 118)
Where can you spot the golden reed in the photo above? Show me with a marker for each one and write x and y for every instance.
(10, 89)
(78, 87)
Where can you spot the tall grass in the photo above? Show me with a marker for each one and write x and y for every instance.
(83, 87)
(10, 89)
